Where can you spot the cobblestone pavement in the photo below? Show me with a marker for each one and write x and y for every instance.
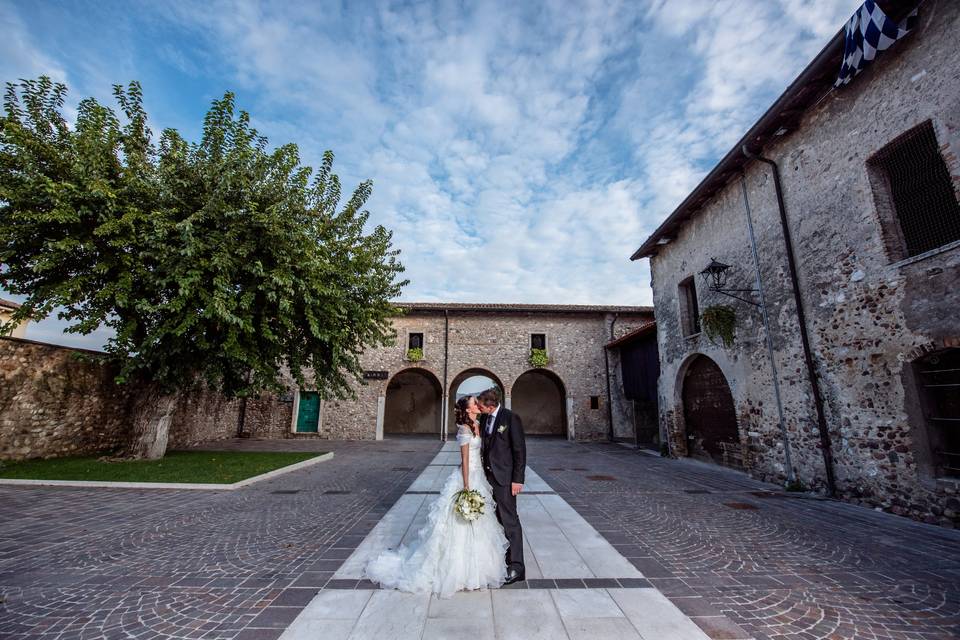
(777, 565)
(120, 563)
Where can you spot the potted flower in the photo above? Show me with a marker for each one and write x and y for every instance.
(415, 354)
(538, 358)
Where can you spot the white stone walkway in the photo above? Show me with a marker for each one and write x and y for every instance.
(558, 545)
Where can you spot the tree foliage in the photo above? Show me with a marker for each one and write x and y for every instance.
(221, 260)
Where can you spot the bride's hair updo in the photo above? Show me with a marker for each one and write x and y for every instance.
(460, 411)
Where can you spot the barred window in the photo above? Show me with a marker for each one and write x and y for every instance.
(415, 341)
(538, 341)
(915, 194)
(939, 381)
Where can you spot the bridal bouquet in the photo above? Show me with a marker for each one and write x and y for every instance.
(468, 504)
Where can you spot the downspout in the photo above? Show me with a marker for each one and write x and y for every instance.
(825, 442)
(446, 392)
(606, 366)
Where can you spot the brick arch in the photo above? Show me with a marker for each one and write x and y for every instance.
(413, 402)
(455, 382)
(717, 437)
(539, 396)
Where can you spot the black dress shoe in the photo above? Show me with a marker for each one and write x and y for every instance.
(514, 576)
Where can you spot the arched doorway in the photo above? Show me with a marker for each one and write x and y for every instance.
(468, 382)
(538, 397)
(412, 403)
(709, 414)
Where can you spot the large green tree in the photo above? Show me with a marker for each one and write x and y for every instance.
(219, 262)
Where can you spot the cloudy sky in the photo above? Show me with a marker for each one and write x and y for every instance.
(520, 151)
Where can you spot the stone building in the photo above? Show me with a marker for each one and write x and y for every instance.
(7, 307)
(869, 176)
(568, 397)
(57, 401)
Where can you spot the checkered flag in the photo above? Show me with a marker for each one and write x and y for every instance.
(869, 31)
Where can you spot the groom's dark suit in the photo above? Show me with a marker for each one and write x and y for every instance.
(504, 456)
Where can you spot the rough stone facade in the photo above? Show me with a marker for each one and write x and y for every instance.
(495, 343)
(871, 313)
(54, 404)
(56, 401)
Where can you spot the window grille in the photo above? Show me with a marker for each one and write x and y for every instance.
(940, 389)
(538, 341)
(919, 189)
(416, 341)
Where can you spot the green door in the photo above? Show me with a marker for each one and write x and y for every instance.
(308, 414)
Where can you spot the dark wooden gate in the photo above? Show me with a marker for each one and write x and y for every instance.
(711, 420)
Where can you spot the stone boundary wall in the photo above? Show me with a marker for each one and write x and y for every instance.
(59, 401)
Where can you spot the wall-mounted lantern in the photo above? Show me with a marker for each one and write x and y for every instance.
(715, 277)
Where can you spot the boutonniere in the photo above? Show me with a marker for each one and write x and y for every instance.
(501, 428)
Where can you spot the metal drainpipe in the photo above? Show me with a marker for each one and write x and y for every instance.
(446, 392)
(791, 477)
(606, 363)
(825, 442)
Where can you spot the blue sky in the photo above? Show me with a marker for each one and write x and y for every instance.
(520, 151)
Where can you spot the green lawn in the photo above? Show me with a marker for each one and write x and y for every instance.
(216, 467)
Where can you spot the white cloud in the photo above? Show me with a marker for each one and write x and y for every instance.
(519, 151)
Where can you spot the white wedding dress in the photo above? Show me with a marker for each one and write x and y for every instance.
(449, 554)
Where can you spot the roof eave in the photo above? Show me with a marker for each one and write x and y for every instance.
(826, 63)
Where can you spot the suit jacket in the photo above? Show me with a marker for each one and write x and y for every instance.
(504, 451)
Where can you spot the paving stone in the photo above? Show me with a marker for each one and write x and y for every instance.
(798, 568)
(104, 563)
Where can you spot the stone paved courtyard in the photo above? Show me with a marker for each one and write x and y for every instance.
(736, 556)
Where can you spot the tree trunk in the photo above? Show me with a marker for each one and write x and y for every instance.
(150, 417)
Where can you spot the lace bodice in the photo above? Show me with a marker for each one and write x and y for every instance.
(465, 436)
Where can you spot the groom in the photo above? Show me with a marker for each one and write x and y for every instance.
(504, 455)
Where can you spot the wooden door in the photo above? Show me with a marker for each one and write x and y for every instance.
(711, 420)
(308, 413)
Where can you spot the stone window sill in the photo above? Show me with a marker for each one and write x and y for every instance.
(928, 254)
(948, 483)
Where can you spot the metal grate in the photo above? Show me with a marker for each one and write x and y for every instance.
(921, 191)
(940, 388)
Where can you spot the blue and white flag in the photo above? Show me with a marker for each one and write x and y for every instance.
(869, 31)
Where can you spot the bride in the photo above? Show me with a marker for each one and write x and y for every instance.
(450, 554)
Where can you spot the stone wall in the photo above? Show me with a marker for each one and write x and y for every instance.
(869, 313)
(496, 345)
(56, 401)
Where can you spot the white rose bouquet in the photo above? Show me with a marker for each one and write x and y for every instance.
(468, 503)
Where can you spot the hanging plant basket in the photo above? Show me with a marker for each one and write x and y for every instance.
(415, 355)
(719, 322)
(538, 358)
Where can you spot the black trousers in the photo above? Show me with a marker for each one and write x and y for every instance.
(508, 517)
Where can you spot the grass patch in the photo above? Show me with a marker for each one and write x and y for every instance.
(214, 467)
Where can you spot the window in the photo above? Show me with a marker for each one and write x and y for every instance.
(914, 194)
(938, 375)
(538, 341)
(415, 341)
(594, 402)
(689, 310)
